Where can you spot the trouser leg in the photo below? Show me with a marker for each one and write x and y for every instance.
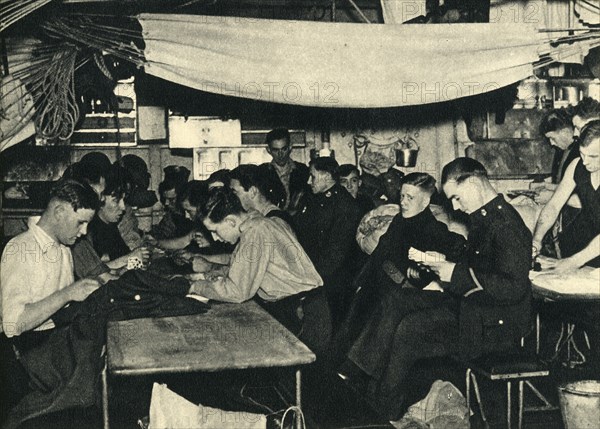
(424, 334)
(371, 350)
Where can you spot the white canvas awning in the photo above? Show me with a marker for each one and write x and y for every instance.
(337, 64)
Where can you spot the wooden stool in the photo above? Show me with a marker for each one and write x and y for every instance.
(509, 368)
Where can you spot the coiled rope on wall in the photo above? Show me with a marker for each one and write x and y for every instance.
(60, 112)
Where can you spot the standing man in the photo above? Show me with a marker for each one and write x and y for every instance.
(583, 177)
(293, 175)
(326, 224)
(489, 284)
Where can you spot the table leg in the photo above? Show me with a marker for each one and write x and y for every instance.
(299, 419)
(106, 425)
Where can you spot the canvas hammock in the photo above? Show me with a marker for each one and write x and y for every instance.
(337, 64)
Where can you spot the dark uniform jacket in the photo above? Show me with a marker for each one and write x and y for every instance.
(326, 225)
(493, 281)
(423, 232)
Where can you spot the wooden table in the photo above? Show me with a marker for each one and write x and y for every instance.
(579, 285)
(228, 336)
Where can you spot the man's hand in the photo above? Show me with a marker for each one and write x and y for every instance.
(536, 247)
(81, 289)
(562, 265)
(142, 253)
(201, 265)
(435, 286)
(443, 269)
(106, 277)
(200, 240)
(543, 196)
(412, 273)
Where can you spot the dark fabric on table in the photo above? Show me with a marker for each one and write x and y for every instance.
(64, 364)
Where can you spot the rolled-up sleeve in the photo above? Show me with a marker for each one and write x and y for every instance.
(16, 269)
(247, 270)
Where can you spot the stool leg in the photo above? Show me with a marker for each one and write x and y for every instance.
(521, 382)
(468, 388)
(508, 404)
(478, 397)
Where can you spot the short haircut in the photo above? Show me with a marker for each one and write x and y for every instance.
(346, 170)
(85, 172)
(327, 164)
(223, 176)
(590, 132)
(221, 203)
(97, 158)
(555, 120)
(423, 181)
(461, 169)
(195, 192)
(278, 134)
(262, 178)
(137, 169)
(79, 195)
(117, 183)
(166, 185)
(587, 108)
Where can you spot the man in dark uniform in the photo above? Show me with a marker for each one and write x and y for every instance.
(326, 224)
(489, 284)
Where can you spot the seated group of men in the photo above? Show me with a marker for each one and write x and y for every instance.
(299, 259)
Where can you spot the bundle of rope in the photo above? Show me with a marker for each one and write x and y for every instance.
(12, 11)
(60, 112)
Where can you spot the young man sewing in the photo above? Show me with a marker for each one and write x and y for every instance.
(267, 262)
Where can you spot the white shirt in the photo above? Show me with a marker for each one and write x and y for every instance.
(33, 267)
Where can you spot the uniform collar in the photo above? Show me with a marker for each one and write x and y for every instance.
(335, 188)
(496, 205)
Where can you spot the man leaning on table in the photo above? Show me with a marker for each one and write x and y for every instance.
(583, 177)
(267, 264)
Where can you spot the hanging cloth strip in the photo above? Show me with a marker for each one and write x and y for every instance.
(337, 64)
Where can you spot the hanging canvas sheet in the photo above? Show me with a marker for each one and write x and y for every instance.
(337, 64)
